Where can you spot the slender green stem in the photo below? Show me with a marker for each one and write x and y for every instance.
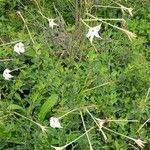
(18, 68)
(129, 34)
(98, 86)
(106, 6)
(143, 125)
(63, 147)
(42, 127)
(100, 127)
(133, 146)
(105, 22)
(10, 43)
(83, 107)
(68, 113)
(5, 116)
(107, 120)
(86, 130)
(106, 19)
(85, 23)
(128, 137)
(119, 4)
(43, 15)
(38, 5)
(9, 59)
(27, 118)
(148, 92)
(26, 26)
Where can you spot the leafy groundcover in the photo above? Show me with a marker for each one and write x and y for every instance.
(74, 74)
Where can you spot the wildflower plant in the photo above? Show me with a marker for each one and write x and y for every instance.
(69, 79)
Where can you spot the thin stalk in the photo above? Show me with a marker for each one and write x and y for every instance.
(9, 59)
(107, 120)
(107, 6)
(119, 4)
(105, 19)
(82, 107)
(124, 8)
(148, 92)
(18, 68)
(5, 116)
(68, 113)
(63, 147)
(84, 23)
(147, 95)
(59, 14)
(100, 127)
(10, 43)
(122, 120)
(43, 15)
(105, 22)
(94, 47)
(38, 5)
(139, 142)
(26, 26)
(42, 127)
(133, 146)
(128, 137)
(129, 34)
(86, 130)
(98, 86)
(143, 125)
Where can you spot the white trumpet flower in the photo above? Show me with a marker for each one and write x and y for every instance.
(93, 31)
(52, 23)
(19, 48)
(54, 122)
(6, 74)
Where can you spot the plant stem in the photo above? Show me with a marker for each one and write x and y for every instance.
(9, 59)
(106, 19)
(100, 127)
(107, 120)
(148, 92)
(43, 15)
(68, 113)
(10, 43)
(119, 133)
(129, 34)
(26, 26)
(74, 139)
(85, 130)
(38, 5)
(30, 120)
(98, 86)
(143, 125)
(18, 68)
(106, 6)
(85, 23)
(105, 22)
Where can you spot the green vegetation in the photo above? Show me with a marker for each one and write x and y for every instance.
(98, 90)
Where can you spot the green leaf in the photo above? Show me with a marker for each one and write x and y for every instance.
(15, 107)
(46, 107)
(30, 53)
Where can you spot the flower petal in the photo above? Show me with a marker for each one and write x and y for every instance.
(54, 122)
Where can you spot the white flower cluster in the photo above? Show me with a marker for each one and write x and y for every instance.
(19, 48)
